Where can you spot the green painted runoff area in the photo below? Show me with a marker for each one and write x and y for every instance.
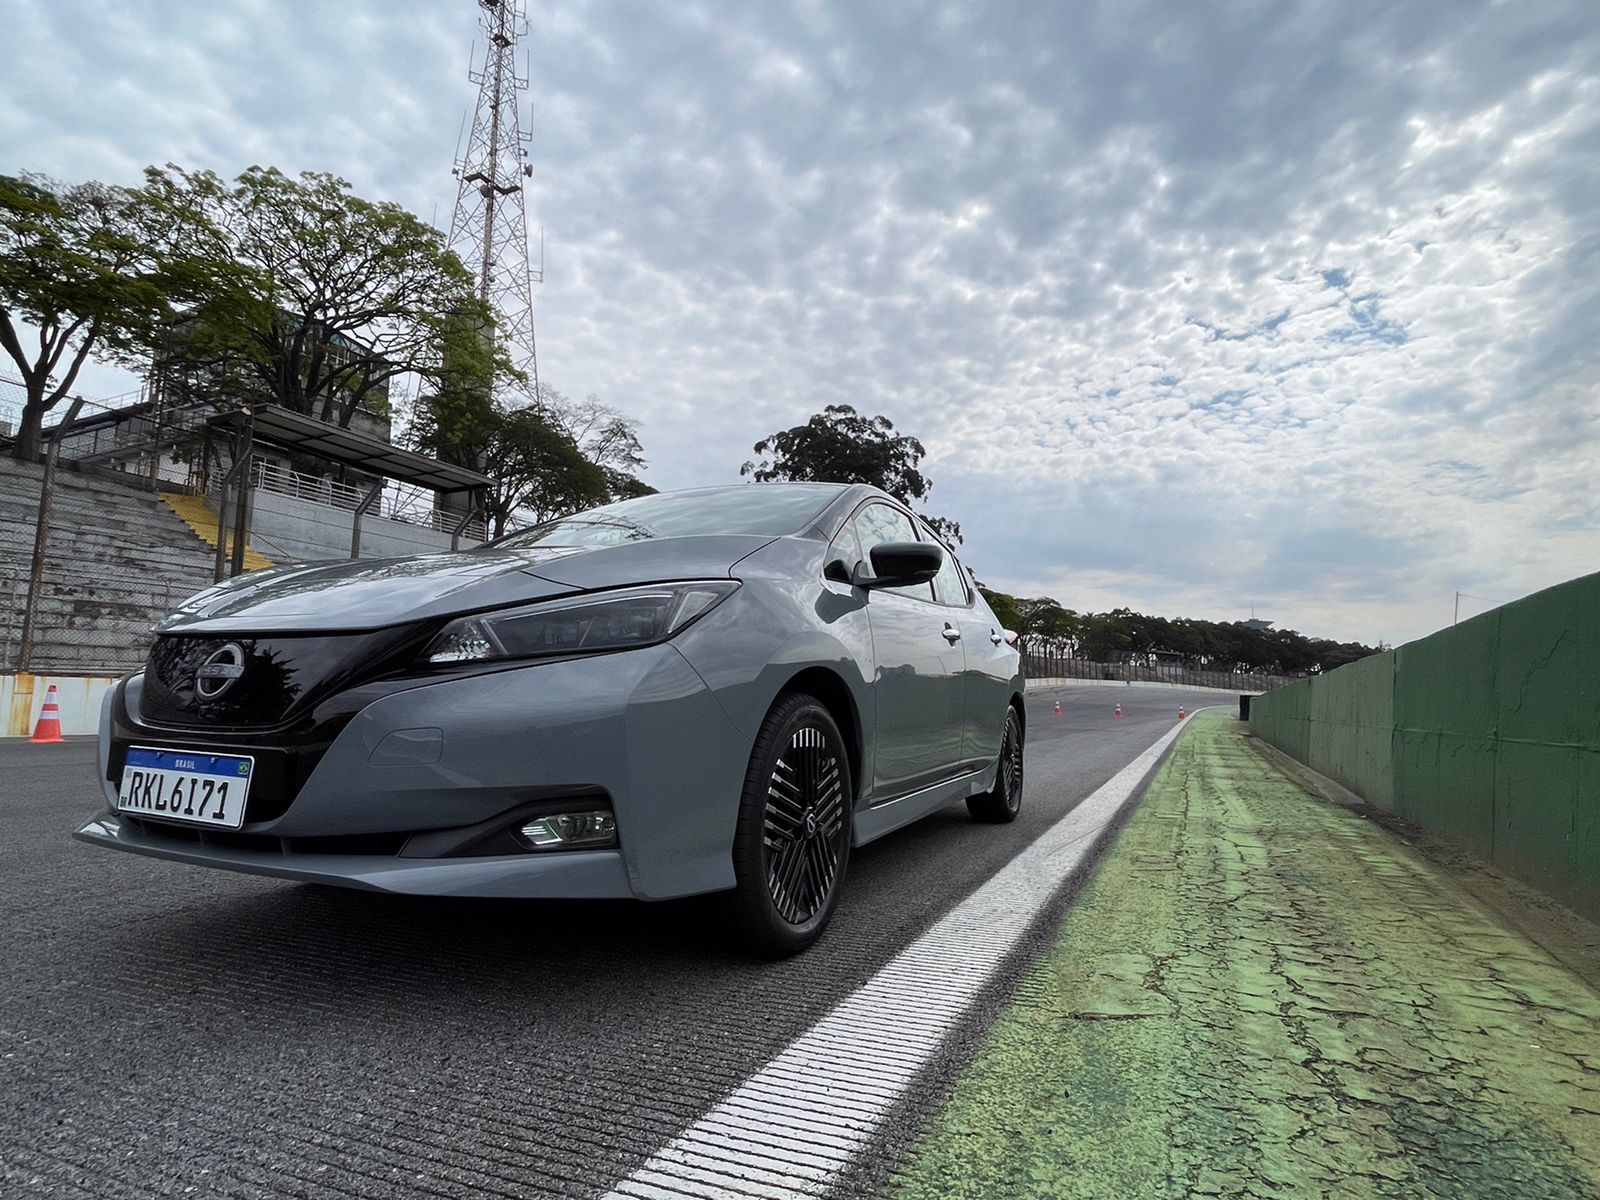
(1264, 994)
(1487, 732)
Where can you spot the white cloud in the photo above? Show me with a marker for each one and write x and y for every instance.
(1193, 309)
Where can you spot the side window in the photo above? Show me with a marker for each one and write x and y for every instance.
(877, 524)
(949, 585)
(846, 548)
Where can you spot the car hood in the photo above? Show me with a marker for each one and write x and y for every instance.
(374, 593)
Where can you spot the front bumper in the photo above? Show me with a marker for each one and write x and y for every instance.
(590, 874)
(638, 728)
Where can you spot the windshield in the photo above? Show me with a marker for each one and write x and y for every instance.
(768, 510)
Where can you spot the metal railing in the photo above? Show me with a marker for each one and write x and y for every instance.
(1050, 666)
(315, 489)
(126, 433)
(397, 502)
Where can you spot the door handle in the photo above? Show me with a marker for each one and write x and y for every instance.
(996, 636)
(951, 633)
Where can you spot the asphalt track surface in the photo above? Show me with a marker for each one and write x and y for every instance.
(168, 1030)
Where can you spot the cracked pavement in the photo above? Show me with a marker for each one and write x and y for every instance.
(1264, 994)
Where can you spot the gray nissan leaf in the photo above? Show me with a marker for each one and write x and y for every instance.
(715, 690)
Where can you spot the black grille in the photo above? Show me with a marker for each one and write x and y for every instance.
(282, 676)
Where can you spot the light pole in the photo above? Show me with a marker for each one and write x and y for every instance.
(1457, 618)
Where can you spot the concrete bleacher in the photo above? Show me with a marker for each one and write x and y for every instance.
(119, 558)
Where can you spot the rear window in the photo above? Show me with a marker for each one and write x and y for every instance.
(764, 509)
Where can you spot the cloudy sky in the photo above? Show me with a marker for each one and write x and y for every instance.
(1196, 306)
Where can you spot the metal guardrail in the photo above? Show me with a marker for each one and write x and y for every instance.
(1049, 666)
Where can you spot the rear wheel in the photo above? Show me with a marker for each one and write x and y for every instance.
(793, 836)
(1004, 802)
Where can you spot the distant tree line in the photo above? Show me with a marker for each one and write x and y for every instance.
(1044, 627)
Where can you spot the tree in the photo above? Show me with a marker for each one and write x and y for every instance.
(329, 299)
(535, 468)
(623, 486)
(1005, 609)
(607, 437)
(1041, 624)
(538, 469)
(535, 465)
(838, 445)
(1123, 635)
(76, 264)
(945, 528)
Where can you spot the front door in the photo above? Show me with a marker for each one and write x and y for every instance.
(917, 676)
(990, 662)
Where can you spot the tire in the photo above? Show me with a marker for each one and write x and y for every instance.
(1001, 805)
(792, 843)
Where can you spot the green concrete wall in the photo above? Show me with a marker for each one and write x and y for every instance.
(1283, 717)
(1351, 734)
(1487, 732)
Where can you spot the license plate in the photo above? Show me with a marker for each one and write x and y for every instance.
(184, 785)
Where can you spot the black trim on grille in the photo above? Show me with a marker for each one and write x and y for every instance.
(281, 675)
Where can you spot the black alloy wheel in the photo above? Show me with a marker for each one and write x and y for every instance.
(793, 837)
(1002, 804)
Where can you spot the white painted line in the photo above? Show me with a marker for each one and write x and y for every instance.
(836, 1073)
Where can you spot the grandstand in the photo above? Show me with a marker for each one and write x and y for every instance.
(148, 493)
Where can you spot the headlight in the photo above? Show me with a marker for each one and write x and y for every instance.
(616, 620)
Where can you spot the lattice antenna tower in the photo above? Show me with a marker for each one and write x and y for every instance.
(490, 227)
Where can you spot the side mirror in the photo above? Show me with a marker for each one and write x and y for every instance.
(899, 564)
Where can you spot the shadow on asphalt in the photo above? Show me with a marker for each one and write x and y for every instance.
(323, 938)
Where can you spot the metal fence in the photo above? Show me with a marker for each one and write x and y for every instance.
(1049, 666)
(13, 592)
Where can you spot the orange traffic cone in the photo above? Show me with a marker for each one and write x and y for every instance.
(1180, 712)
(1058, 708)
(49, 727)
(1118, 713)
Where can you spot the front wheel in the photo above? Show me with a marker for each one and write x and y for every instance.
(1002, 804)
(793, 838)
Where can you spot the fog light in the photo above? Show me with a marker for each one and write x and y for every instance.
(577, 830)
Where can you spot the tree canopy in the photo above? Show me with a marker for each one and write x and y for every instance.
(546, 458)
(839, 445)
(607, 438)
(538, 469)
(1044, 627)
(320, 298)
(80, 266)
(295, 290)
